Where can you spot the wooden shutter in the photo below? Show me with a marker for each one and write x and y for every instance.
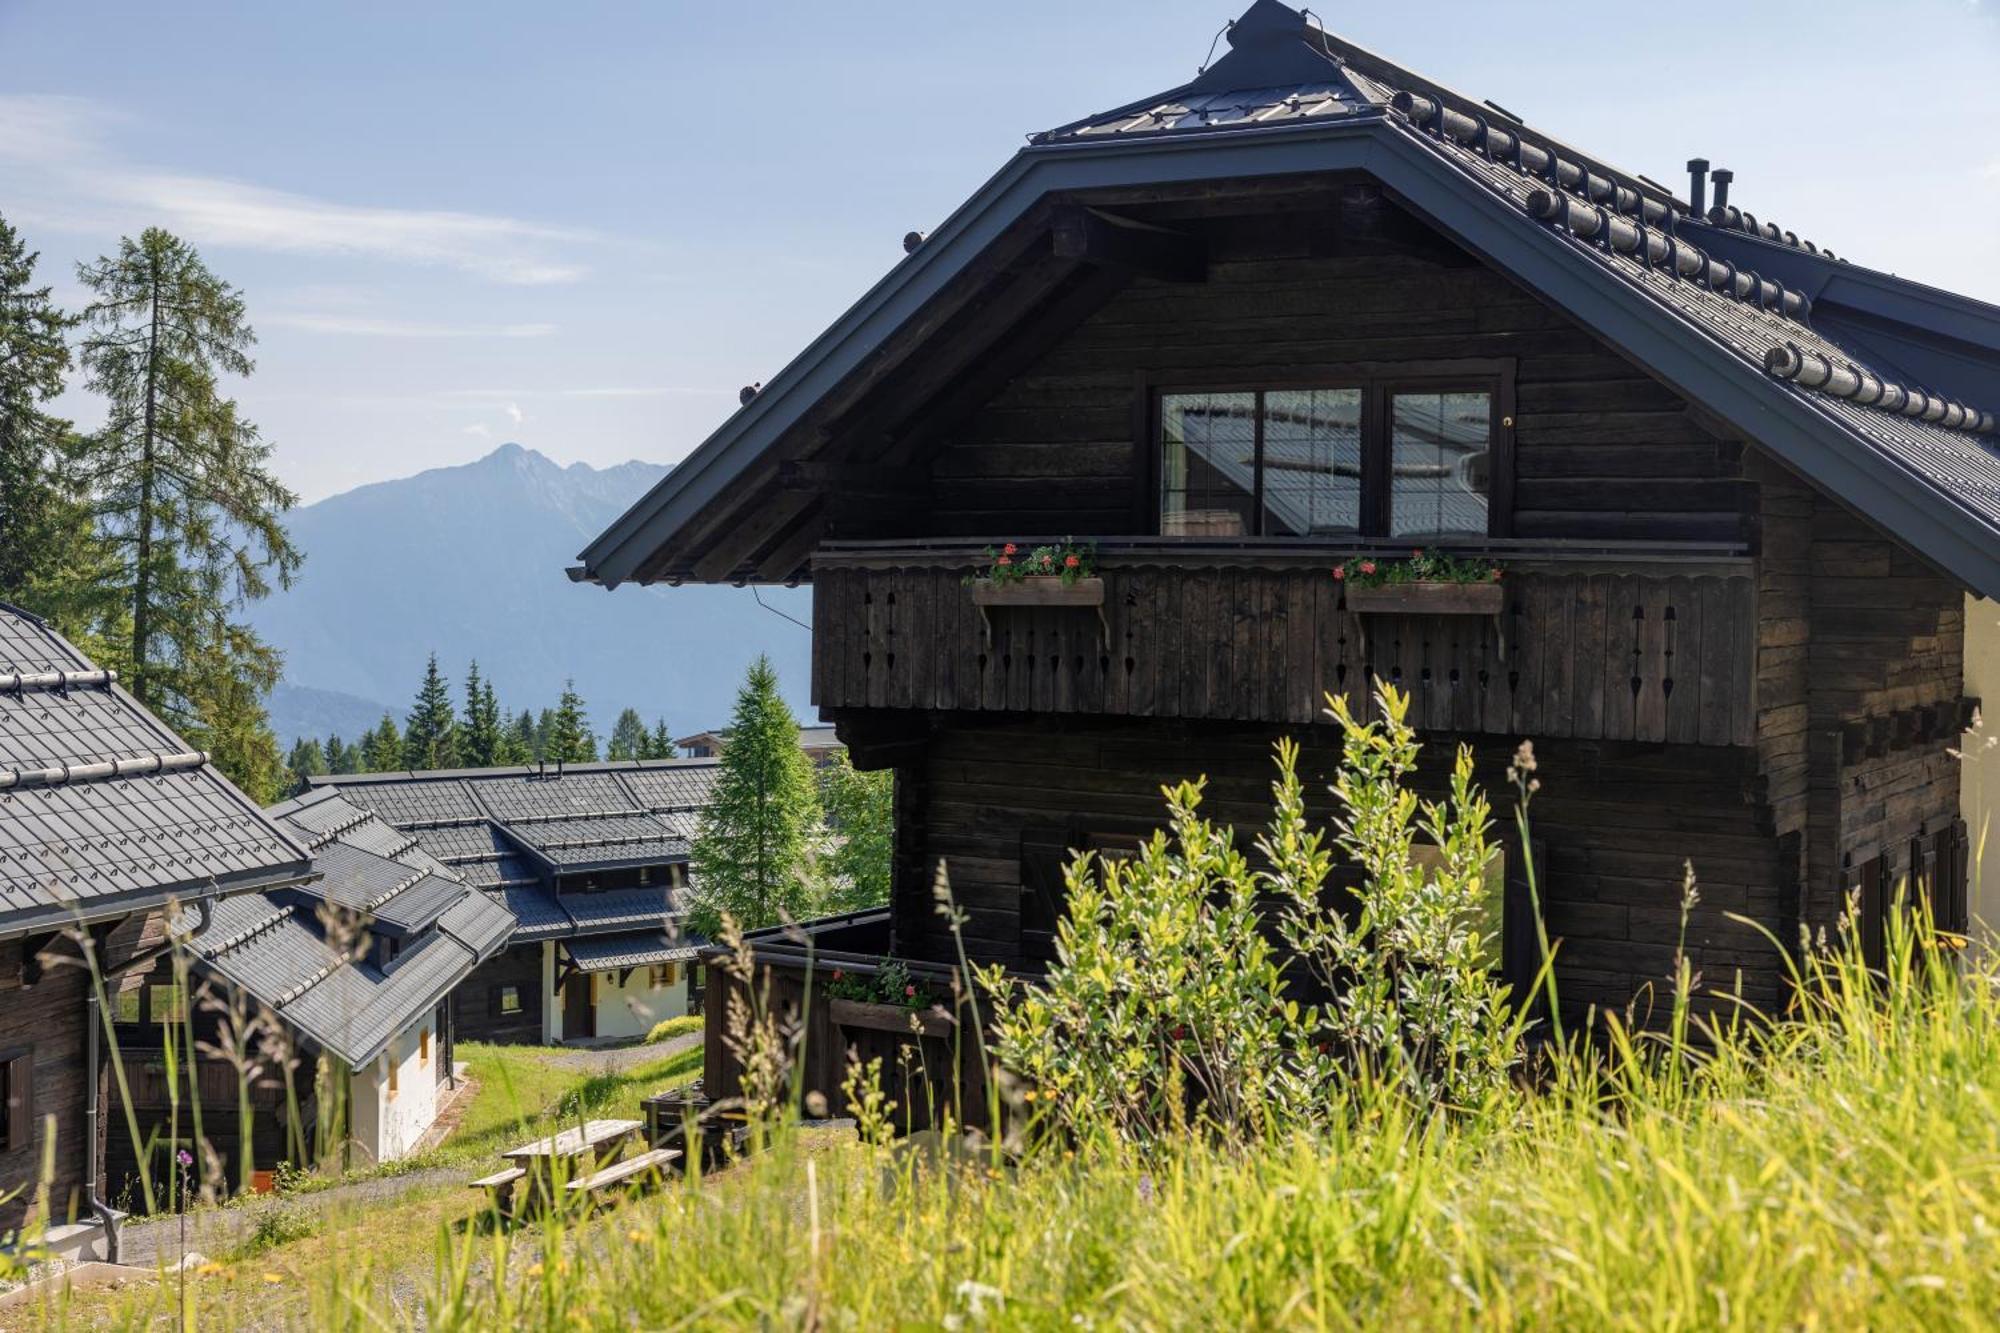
(1949, 859)
(20, 1078)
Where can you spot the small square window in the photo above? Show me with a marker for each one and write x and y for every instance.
(126, 1008)
(169, 1004)
(510, 999)
(662, 975)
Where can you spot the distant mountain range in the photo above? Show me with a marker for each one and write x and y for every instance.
(468, 562)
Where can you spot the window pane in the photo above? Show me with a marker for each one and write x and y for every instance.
(168, 1005)
(1312, 462)
(1208, 464)
(1441, 461)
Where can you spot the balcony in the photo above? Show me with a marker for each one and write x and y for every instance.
(1600, 641)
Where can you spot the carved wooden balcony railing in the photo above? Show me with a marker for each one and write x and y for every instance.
(1601, 642)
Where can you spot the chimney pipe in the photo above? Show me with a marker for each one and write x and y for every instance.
(1722, 179)
(1697, 187)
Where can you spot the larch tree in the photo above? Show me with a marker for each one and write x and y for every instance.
(479, 733)
(430, 732)
(181, 487)
(756, 849)
(43, 522)
(628, 737)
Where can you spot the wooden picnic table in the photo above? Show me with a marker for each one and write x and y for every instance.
(583, 1148)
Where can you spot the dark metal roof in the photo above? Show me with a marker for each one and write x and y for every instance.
(305, 953)
(512, 832)
(103, 809)
(1613, 251)
(639, 948)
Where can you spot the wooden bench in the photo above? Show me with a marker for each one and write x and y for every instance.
(501, 1186)
(620, 1172)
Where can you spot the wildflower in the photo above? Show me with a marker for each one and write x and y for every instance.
(1180, 1032)
(274, 1278)
(209, 1269)
(1009, 549)
(635, 1235)
(1367, 566)
(1339, 573)
(1071, 562)
(184, 1157)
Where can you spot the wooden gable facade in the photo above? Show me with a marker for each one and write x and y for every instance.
(1233, 338)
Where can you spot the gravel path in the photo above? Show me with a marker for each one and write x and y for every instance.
(618, 1059)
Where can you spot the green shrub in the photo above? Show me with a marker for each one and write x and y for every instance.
(678, 1026)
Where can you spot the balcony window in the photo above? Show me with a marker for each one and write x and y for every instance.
(1409, 458)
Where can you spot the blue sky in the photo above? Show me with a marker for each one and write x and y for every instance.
(584, 226)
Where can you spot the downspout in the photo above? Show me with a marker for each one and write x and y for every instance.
(93, 1060)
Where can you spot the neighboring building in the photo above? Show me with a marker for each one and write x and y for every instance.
(1313, 305)
(821, 744)
(356, 966)
(591, 860)
(106, 818)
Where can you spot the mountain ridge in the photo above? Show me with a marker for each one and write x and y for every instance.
(469, 561)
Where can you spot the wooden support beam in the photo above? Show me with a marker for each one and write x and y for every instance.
(792, 551)
(33, 969)
(1091, 236)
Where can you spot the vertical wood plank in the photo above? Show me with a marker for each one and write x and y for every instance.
(1587, 671)
(1621, 630)
(1650, 718)
(1713, 676)
(1684, 667)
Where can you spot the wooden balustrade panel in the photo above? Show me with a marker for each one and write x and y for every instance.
(1605, 656)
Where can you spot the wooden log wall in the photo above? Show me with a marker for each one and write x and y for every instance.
(1856, 636)
(1618, 822)
(1661, 657)
(472, 1015)
(1602, 450)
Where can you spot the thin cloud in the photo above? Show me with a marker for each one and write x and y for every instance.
(363, 327)
(481, 431)
(514, 413)
(642, 391)
(66, 175)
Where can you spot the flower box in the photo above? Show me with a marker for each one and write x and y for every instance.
(1417, 598)
(934, 1021)
(1038, 590)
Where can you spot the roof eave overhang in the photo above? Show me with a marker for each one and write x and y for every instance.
(113, 906)
(1799, 432)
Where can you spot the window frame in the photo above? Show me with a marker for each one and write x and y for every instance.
(1378, 382)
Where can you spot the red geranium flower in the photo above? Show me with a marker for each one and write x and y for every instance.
(1003, 560)
(1496, 576)
(1339, 572)
(1009, 549)
(836, 974)
(1417, 554)
(1071, 562)
(1367, 566)
(910, 991)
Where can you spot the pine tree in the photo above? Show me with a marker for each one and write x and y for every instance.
(182, 489)
(569, 739)
(754, 852)
(430, 733)
(42, 517)
(660, 745)
(307, 760)
(860, 816)
(517, 742)
(479, 734)
(341, 757)
(382, 748)
(628, 737)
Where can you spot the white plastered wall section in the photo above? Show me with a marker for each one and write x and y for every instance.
(391, 1114)
(632, 1009)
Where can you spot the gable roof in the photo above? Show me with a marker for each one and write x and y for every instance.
(103, 809)
(511, 831)
(303, 953)
(1613, 250)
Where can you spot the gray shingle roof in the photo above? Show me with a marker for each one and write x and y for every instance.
(1897, 451)
(305, 953)
(640, 948)
(103, 809)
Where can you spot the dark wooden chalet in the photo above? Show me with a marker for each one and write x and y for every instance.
(1310, 305)
(106, 819)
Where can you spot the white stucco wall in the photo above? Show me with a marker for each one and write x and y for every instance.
(387, 1124)
(1979, 783)
(631, 1010)
(552, 1012)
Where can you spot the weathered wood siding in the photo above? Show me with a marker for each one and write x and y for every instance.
(1625, 656)
(1618, 822)
(1860, 673)
(472, 1014)
(1602, 450)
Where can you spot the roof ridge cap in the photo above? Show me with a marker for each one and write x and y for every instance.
(103, 770)
(1810, 369)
